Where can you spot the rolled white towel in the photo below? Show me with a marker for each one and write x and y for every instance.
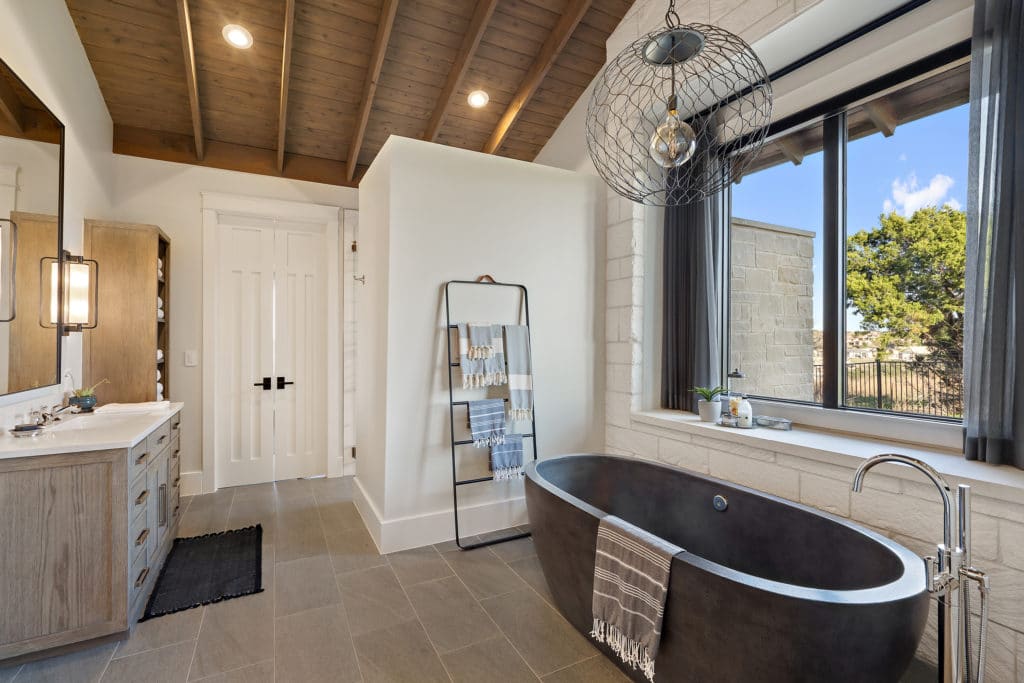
(160, 397)
(160, 273)
(159, 302)
(159, 375)
(159, 314)
(159, 387)
(159, 354)
(160, 263)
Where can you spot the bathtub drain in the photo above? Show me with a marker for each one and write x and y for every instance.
(720, 503)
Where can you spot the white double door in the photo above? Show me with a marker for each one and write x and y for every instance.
(271, 351)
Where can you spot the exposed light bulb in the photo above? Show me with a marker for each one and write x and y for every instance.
(237, 36)
(673, 142)
(478, 99)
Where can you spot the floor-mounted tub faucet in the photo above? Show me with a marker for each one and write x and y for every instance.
(947, 575)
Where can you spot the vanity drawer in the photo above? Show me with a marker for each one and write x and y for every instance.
(175, 425)
(138, 495)
(138, 573)
(139, 531)
(159, 438)
(174, 473)
(138, 458)
(174, 453)
(174, 510)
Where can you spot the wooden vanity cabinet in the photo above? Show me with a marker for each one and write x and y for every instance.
(82, 539)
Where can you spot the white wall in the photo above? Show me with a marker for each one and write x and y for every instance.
(38, 170)
(168, 194)
(431, 214)
(39, 42)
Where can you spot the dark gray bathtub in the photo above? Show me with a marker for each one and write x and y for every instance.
(767, 590)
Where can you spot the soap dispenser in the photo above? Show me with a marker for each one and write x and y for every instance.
(745, 413)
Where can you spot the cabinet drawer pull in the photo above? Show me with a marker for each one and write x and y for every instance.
(142, 497)
(142, 537)
(163, 504)
(175, 426)
(176, 508)
(177, 480)
(141, 459)
(161, 439)
(142, 577)
(174, 455)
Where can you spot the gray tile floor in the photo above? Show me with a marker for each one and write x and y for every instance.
(335, 610)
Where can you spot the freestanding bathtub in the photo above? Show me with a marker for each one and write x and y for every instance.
(765, 590)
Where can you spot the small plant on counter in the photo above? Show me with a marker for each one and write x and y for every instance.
(709, 407)
(85, 398)
(90, 391)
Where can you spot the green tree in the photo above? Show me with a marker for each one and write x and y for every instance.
(906, 277)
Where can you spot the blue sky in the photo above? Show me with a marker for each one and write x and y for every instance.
(924, 163)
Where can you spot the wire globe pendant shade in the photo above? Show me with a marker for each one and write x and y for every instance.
(670, 112)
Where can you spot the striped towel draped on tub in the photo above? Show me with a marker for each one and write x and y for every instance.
(631, 575)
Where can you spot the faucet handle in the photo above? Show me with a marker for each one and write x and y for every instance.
(929, 573)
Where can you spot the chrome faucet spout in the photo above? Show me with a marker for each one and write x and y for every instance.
(928, 471)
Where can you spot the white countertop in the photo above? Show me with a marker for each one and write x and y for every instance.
(91, 432)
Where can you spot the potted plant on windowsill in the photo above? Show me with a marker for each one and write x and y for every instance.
(709, 407)
(85, 399)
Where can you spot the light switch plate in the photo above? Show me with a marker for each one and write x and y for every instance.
(191, 358)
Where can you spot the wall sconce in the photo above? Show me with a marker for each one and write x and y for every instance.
(68, 303)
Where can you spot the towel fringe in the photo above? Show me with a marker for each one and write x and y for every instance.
(508, 473)
(631, 652)
(520, 414)
(489, 441)
(478, 380)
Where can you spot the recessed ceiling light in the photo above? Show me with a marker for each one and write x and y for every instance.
(478, 98)
(237, 36)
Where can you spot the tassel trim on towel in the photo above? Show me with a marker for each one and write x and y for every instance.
(480, 352)
(484, 379)
(489, 441)
(508, 473)
(523, 414)
(630, 651)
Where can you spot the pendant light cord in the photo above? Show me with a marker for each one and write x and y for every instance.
(671, 16)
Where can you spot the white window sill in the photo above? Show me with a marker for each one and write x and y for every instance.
(843, 449)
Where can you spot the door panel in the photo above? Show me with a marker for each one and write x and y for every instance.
(299, 408)
(245, 355)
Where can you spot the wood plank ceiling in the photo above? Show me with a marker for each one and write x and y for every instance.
(326, 82)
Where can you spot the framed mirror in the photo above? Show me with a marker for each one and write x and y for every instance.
(31, 207)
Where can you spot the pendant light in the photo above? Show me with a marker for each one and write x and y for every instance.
(678, 113)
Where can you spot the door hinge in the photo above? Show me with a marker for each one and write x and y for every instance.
(353, 452)
(355, 246)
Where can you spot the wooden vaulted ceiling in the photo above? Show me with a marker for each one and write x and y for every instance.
(327, 81)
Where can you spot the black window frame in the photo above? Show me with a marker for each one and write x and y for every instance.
(832, 115)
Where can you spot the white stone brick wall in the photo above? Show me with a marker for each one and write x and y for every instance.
(771, 309)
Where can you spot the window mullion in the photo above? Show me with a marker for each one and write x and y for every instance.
(834, 262)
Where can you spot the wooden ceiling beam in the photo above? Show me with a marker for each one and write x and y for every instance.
(883, 115)
(380, 47)
(152, 144)
(192, 84)
(11, 109)
(286, 67)
(545, 59)
(470, 42)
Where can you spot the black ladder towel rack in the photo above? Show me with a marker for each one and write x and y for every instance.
(486, 281)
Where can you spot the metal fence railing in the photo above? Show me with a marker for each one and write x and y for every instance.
(923, 387)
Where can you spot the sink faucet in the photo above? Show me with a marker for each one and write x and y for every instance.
(949, 576)
(48, 417)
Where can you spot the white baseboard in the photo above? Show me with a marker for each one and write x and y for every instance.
(192, 483)
(415, 531)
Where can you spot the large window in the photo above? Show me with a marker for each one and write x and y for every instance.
(847, 256)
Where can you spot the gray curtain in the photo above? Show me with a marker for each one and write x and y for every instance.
(692, 325)
(994, 323)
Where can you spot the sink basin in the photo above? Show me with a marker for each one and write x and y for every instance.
(80, 422)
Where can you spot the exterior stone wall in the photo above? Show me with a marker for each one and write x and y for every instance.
(771, 312)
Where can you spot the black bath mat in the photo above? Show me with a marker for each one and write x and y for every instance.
(207, 569)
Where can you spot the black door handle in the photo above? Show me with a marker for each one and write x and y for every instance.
(281, 383)
(265, 384)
